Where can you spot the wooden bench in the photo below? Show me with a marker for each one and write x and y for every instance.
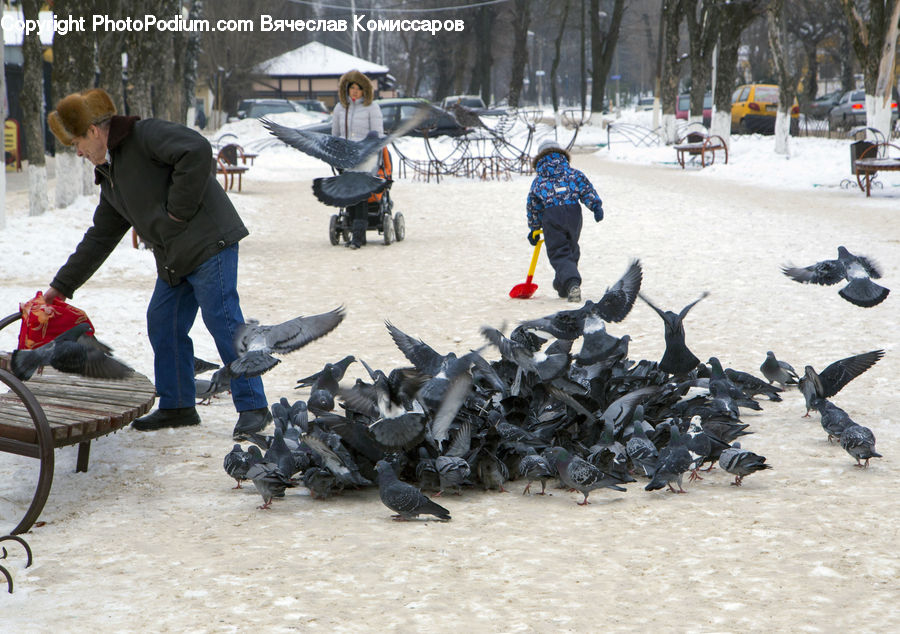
(227, 164)
(53, 410)
(703, 145)
(874, 159)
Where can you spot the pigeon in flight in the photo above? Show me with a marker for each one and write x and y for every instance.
(677, 359)
(403, 498)
(356, 160)
(856, 269)
(75, 352)
(832, 379)
(254, 345)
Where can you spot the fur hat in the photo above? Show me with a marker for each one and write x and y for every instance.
(355, 77)
(548, 146)
(77, 112)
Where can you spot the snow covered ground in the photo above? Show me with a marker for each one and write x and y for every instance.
(153, 537)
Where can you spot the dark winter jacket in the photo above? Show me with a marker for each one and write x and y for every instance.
(557, 184)
(157, 168)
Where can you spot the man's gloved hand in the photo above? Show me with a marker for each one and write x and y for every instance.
(533, 237)
(598, 215)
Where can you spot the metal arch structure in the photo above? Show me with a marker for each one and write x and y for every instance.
(489, 151)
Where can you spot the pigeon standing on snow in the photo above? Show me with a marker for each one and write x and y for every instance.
(238, 462)
(357, 160)
(830, 381)
(740, 462)
(269, 481)
(582, 476)
(534, 467)
(403, 498)
(777, 371)
(674, 460)
(856, 269)
(74, 352)
(859, 442)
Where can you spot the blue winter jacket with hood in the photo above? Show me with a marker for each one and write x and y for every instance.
(558, 184)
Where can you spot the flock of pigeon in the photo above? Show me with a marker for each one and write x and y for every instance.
(590, 419)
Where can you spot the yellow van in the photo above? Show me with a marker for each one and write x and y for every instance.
(753, 109)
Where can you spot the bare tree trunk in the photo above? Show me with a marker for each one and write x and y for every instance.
(702, 18)
(189, 72)
(672, 12)
(874, 40)
(32, 100)
(554, 67)
(788, 76)
(110, 47)
(735, 18)
(521, 22)
(603, 47)
(582, 48)
(73, 71)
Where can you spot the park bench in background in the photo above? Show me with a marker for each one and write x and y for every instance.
(705, 146)
(53, 410)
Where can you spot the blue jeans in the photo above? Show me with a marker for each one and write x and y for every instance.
(211, 288)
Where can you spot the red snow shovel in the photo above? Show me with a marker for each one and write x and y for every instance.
(527, 289)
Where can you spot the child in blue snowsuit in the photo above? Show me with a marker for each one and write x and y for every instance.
(553, 205)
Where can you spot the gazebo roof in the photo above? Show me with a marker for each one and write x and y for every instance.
(316, 59)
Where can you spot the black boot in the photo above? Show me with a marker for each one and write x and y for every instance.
(251, 421)
(358, 229)
(161, 418)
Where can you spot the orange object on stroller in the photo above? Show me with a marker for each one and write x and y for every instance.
(385, 170)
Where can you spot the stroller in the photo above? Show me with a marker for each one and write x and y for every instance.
(380, 206)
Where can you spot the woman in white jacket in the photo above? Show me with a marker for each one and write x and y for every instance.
(353, 117)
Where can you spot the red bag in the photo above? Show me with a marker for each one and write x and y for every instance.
(42, 323)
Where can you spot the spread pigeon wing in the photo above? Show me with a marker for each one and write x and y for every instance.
(618, 300)
(840, 373)
(336, 151)
(425, 358)
(288, 336)
(826, 272)
(348, 188)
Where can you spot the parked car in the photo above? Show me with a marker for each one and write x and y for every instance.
(754, 108)
(393, 111)
(469, 101)
(821, 106)
(644, 103)
(683, 105)
(313, 105)
(850, 111)
(255, 108)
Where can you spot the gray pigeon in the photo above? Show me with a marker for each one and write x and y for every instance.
(356, 160)
(75, 352)
(856, 269)
(677, 359)
(582, 476)
(674, 460)
(777, 371)
(403, 498)
(834, 420)
(269, 481)
(534, 467)
(859, 442)
(238, 462)
(324, 385)
(640, 449)
(740, 462)
(833, 378)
